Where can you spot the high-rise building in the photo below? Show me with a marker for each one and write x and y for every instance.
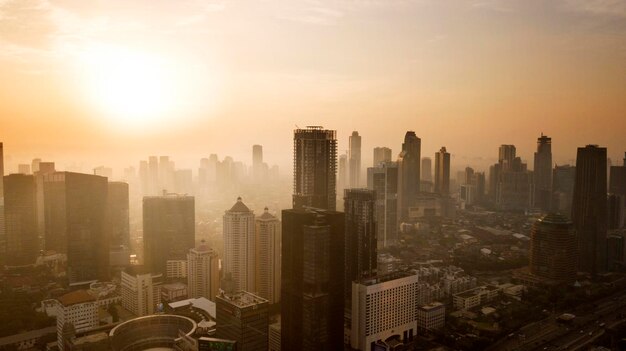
(43, 168)
(360, 238)
(22, 244)
(510, 181)
(103, 171)
(153, 176)
(267, 254)
(617, 183)
(239, 246)
(427, 169)
(506, 155)
(383, 179)
(408, 174)
(542, 173)
(23, 168)
(314, 177)
(203, 272)
(76, 310)
(342, 173)
(553, 248)
(617, 200)
(75, 217)
(141, 290)
(563, 178)
(589, 208)
(355, 159)
(118, 222)
(3, 238)
(442, 171)
(169, 229)
(312, 299)
(257, 163)
(384, 311)
(244, 318)
(381, 154)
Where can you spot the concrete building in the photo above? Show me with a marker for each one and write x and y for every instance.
(409, 162)
(383, 308)
(381, 154)
(427, 169)
(20, 205)
(240, 246)
(78, 311)
(176, 269)
(553, 248)
(563, 178)
(141, 290)
(315, 157)
(542, 173)
(475, 297)
(383, 179)
(442, 171)
(244, 318)
(267, 254)
(354, 159)
(431, 316)
(203, 272)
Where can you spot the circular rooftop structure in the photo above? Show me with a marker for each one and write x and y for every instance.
(156, 332)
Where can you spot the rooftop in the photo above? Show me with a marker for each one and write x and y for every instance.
(239, 206)
(76, 297)
(242, 299)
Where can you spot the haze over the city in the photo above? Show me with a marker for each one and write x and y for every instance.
(113, 81)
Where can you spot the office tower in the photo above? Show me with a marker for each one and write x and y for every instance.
(243, 317)
(203, 272)
(408, 174)
(383, 179)
(257, 163)
(553, 248)
(118, 223)
(168, 229)
(355, 159)
(239, 246)
(144, 178)
(342, 174)
(141, 290)
(615, 211)
(510, 181)
(563, 178)
(176, 269)
(506, 155)
(164, 176)
(616, 249)
(360, 238)
(153, 176)
(381, 154)
(76, 310)
(315, 156)
(75, 219)
(34, 165)
(3, 238)
(442, 171)
(183, 181)
(468, 175)
(23, 168)
(589, 208)
(479, 179)
(312, 300)
(617, 183)
(427, 171)
(43, 168)
(103, 171)
(267, 244)
(542, 173)
(617, 189)
(20, 203)
(384, 311)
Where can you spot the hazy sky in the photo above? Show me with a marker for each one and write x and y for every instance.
(110, 82)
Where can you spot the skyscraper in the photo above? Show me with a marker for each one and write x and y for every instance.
(427, 171)
(355, 159)
(239, 246)
(589, 208)
(563, 178)
(360, 238)
(20, 204)
(617, 183)
(381, 154)
(203, 272)
(342, 173)
(244, 318)
(442, 171)
(169, 229)
(542, 173)
(3, 238)
(383, 179)
(510, 181)
(314, 177)
(118, 223)
(312, 299)
(506, 155)
(153, 176)
(409, 174)
(267, 264)
(553, 248)
(75, 213)
(257, 163)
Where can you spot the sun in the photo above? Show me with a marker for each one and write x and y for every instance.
(128, 86)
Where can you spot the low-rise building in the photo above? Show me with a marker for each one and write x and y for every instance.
(475, 297)
(431, 316)
(78, 312)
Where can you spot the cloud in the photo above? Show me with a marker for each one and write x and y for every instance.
(612, 8)
(316, 15)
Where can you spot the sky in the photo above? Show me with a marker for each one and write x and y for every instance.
(111, 82)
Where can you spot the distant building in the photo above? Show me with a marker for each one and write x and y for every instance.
(383, 309)
(243, 317)
(75, 213)
(315, 157)
(20, 206)
(176, 269)
(408, 174)
(442, 171)
(431, 316)
(381, 154)
(383, 179)
(427, 169)
(553, 249)
(354, 159)
(475, 297)
(78, 311)
(510, 181)
(173, 292)
(3, 239)
(118, 222)
(563, 178)
(267, 242)
(542, 173)
(257, 163)
(203, 272)
(589, 208)
(240, 246)
(342, 174)
(168, 229)
(141, 290)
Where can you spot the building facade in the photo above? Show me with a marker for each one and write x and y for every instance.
(409, 162)
(203, 272)
(354, 153)
(383, 179)
(240, 246)
(267, 264)
(442, 171)
(20, 205)
(553, 248)
(243, 317)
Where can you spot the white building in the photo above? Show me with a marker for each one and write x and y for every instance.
(431, 316)
(176, 269)
(382, 308)
(78, 309)
(141, 291)
(203, 272)
(268, 237)
(239, 246)
(475, 297)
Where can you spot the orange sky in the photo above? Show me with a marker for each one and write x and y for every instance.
(469, 75)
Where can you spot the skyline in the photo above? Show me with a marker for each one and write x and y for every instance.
(504, 71)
